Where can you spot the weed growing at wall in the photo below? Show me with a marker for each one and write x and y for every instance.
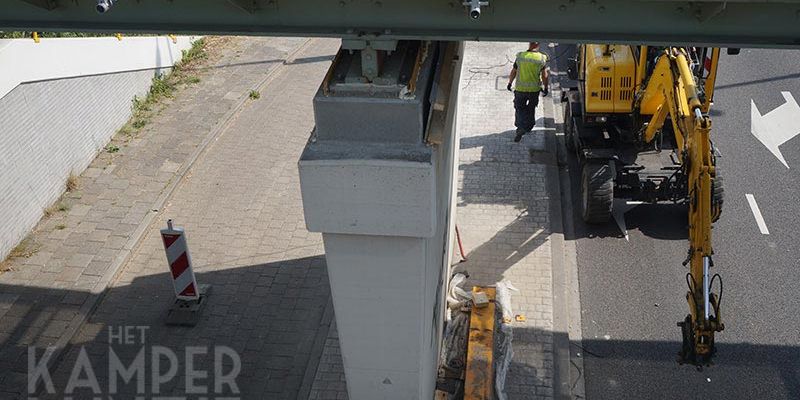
(72, 182)
(163, 87)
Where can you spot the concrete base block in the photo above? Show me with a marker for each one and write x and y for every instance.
(187, 313)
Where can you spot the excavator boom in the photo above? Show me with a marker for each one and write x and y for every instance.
(674, 85)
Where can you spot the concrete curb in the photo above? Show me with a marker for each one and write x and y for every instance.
(566, 306)
(98, 291)
(572, 288)
(560, 322)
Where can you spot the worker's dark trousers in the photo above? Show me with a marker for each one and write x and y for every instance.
(525, 110)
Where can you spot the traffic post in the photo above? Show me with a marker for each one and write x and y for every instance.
(189, 296)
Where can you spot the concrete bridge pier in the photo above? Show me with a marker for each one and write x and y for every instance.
(378, 180)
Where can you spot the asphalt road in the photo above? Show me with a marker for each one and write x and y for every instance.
(632, 292)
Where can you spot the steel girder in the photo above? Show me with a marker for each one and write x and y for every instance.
(721, 23)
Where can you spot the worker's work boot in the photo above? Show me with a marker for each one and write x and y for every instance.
(520, 132)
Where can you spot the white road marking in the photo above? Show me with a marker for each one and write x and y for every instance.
(777, 126)
(762, 226)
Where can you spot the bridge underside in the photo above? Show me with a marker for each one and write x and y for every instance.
(723, 23)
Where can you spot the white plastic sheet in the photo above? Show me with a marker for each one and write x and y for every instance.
(503, 337)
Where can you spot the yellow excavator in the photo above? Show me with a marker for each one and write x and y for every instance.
(615, 120)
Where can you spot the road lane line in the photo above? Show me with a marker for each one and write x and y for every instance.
(762, 226)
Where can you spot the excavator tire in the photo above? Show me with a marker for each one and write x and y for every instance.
(597, 192)
(717, 195)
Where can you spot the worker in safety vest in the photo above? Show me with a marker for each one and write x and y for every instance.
(531, 72)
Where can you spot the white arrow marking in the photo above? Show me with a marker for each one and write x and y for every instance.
(777, 126)
(762, 226)
(618, 211)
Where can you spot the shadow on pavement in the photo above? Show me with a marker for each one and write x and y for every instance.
(664, 221)
(296, 61)
(273, 316)
(624, 369)
(506, 174)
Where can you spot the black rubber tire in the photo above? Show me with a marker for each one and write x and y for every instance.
(717, 194)
(597, 192)
(569, 128)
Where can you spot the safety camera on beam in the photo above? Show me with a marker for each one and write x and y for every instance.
(475, 7)
(104, 5)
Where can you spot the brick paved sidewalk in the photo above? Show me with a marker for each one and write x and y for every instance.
(504, 218)
(242, 210)
(239, 205)
(504, 211)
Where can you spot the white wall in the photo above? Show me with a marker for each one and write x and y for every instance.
(23, 60)
(61, 101)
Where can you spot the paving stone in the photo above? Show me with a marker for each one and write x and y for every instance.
(79, 260)
(503, 211)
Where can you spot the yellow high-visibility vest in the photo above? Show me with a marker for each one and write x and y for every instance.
(529, 71)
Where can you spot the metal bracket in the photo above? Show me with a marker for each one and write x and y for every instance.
(46, 4)
(475, 7)
(370, 56)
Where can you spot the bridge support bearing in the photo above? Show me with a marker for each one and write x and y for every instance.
(383, 196)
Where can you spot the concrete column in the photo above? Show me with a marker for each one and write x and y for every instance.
(378, 180)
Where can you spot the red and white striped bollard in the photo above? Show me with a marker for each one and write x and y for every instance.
(180, 263)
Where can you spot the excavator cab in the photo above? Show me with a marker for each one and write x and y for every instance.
(608, 109)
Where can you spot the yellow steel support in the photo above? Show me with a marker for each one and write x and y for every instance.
(478, 383)
(711, 79)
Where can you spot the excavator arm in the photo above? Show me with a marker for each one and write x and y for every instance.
(673, 86)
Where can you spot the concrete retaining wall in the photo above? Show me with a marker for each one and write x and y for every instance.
(54, 121)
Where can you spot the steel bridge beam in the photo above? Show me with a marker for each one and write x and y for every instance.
(724, 23)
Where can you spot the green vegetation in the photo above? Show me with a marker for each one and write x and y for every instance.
(55, 208)
(26, 248)
(72, 182)
(112, 148)
(254, 95)
(164, 87)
